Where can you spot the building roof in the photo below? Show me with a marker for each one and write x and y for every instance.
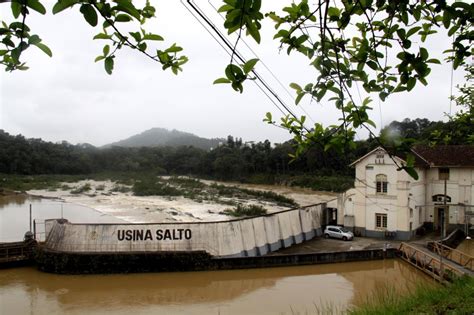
(436, 156)
(446, 155)
(370, 153)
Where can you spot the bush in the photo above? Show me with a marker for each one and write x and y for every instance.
(81, 189)
(246, 211)
(153, 187)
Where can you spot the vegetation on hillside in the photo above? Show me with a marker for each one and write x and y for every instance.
(259, 163)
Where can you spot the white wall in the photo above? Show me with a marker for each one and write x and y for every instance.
(244, 237)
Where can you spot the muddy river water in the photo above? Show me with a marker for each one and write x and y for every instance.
(289, 290)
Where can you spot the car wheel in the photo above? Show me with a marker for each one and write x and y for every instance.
(344, 238)
(326, 235)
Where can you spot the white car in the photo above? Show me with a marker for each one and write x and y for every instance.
(338, 232)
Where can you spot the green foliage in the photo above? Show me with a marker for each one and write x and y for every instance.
(455, 298)
(243, 193)
(16, 36)
(246, 211)
(120, 188)
(153, 187)
(236, 75)
(322, 183)
(81, 189)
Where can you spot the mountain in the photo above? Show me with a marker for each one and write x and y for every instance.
(163, 137)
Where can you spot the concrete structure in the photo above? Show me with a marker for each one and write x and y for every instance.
(386, 202)
(235, 238)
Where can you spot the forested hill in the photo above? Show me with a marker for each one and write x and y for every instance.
(234, 160)
(157, 137)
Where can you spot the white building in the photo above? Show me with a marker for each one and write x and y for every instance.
(386, 202)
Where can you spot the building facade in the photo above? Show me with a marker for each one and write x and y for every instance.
(386, 202)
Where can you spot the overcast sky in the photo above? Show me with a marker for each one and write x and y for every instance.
(69, 97)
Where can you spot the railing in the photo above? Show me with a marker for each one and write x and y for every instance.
(38, 233)
(16, 251)
(454, 255)
(428, 263)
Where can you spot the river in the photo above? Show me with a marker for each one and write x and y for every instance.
(15, 218)
(289, 290)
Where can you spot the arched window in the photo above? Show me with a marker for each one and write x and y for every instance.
(381, 183)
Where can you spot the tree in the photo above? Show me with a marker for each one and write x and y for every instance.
(377, 43)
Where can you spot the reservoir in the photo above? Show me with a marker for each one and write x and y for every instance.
(288, 290)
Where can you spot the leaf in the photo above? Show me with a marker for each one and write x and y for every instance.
(423, 53)
(99, 58)
(253, 31)
(295, 86)
(15, 53)
(109, 64)
(36, 5)
(436, 61)
(268, 117)
(411, 171)
(127, 6)
(44, 48)
(34, 39)
(16, 9)
(221, 80)
(298, 98)
(106, 50)
(123, 18)
(63, 4)
(102, 36)
(249, 65)
(173, 49)
(89, 13)
(152, 37)
(411, 83)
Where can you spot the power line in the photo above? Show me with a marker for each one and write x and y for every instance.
(227, 51)
(267, 68)
(271, 92)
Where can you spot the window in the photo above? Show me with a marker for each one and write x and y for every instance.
(379, 156)
(380, 221)
(369, 167)
(411, 213)
(443, 173)
(381, 184)
(420, 215)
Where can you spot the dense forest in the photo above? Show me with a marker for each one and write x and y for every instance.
(259, 162)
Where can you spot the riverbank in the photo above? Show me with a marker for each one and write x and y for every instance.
(210, 201)
(454, 298)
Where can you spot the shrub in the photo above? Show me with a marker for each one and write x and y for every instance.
(153, 187)
(81, 189)
(246, 211)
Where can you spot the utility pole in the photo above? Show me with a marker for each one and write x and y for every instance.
(445, 210)
(30, 217)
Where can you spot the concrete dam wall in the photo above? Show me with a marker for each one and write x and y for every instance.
(248, 237)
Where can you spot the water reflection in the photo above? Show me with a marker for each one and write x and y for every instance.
(257, 291)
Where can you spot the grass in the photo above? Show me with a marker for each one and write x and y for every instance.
(454, 298)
